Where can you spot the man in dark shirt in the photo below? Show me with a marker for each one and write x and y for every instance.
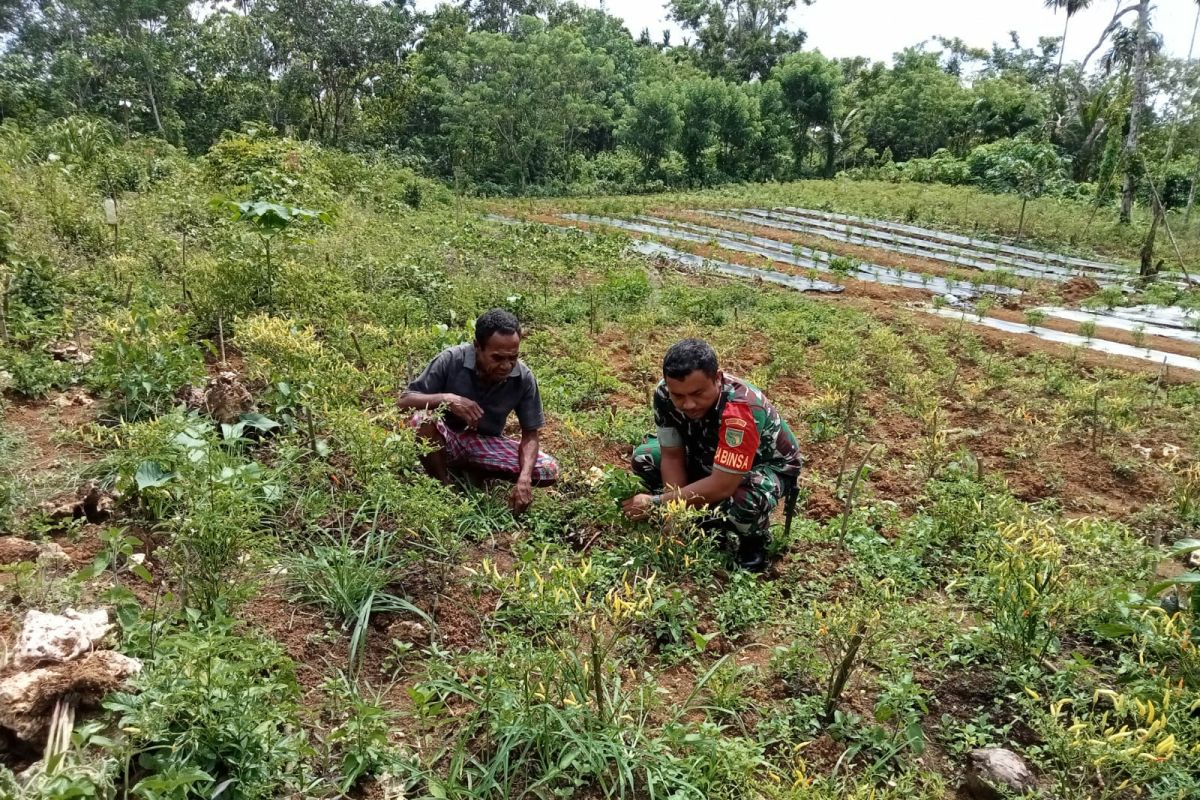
(478, 385)
(721, 444)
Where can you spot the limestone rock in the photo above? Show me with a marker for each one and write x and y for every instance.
(14, 550)
(993, 769)
(52, 557)
(68, 351)
(58, 637)
(27, 699)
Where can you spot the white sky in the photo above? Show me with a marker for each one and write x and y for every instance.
(880, 28)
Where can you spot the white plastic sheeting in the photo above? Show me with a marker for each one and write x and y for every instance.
(1122, 323)
(983, 245)
(1050, 335)
(784, 253)
(697, 263)
(1168, 316)
(968, 256)
(701, 264)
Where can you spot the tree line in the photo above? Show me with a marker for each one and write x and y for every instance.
(509, 96)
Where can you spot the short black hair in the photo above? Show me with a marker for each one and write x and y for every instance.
(495, 321)
(687, 356)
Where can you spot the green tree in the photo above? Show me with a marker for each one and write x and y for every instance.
(740, 39)
(651, 126)
(327, 51)
(919, 110)
(719, 129)
(811, 86)
(1004, 107)
(500, 16)
(228, 80)
(770, 152)
(515, 109)
(1071, 7)
(119, 59)
(1020, 166)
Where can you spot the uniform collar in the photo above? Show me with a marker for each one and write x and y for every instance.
(722, 398)
(469, 361)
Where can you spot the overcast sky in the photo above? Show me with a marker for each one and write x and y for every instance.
(880, 28)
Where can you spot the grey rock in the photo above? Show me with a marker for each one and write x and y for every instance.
(991, 770)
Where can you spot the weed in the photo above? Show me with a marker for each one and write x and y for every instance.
(143, 362)
(744, 603)
(348, 573)
(358, 744)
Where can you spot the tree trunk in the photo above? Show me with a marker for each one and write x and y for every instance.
(1187, 217)
(1196, 173)
(1062, 50)
(1136, 109)
(800, 148)
(1054, 119)
(1021, 224)
(1148, 268)
(154, 108)
(830, 150)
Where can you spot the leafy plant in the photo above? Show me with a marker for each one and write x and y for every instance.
(348, 574)
(142, 362)
(359, 743)
(118, 555)
(213, 712)
(271, 220)
(745, 602)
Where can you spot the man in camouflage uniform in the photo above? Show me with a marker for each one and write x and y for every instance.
(720, 444)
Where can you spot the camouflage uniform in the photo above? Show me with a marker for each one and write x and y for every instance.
(742, 434)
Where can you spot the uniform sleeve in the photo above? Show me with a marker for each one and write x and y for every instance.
(668, 434)
(529, 409)
(737, 440)
(433, 379)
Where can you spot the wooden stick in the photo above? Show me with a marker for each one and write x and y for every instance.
(1158, 383)
(221, 338)
(841, 675)
(4, 309)
(362, 361)
(312, 434)
(850, 495)
(1170, 235)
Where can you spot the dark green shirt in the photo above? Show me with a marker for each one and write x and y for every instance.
(453, 371)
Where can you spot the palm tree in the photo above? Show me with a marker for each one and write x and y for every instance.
(1072, 7)
(1054, 120)
(1187, 219)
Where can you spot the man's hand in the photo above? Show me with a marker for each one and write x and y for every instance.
(467, 410)
(638, 507)
(521, 495)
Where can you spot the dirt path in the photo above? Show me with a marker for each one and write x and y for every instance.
(39, 429)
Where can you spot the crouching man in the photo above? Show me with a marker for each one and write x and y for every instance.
(720, 445)
(465, 396)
